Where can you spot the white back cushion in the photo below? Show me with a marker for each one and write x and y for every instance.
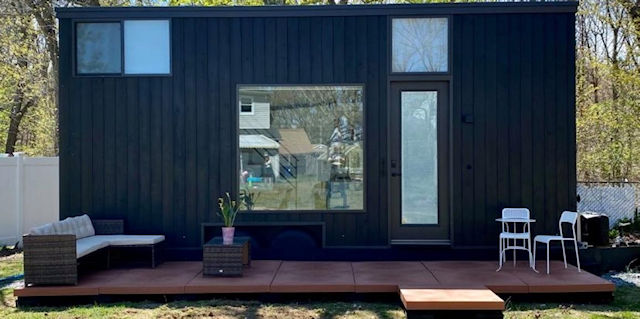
(62, 227)
(46, 229)
(84, 227)
(80, 226)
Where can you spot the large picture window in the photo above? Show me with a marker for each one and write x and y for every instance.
(302, 147)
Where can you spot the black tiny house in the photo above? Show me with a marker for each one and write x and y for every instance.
(358, 127)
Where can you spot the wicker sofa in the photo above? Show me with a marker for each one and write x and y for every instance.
(52, 251)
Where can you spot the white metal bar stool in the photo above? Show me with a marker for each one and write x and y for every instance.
(508, 239)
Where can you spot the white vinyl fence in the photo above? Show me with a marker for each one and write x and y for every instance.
(28, 195)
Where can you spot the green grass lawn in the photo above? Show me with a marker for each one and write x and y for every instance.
(625, 305)
(10, 265)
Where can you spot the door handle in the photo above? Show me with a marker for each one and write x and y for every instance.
(396, 174)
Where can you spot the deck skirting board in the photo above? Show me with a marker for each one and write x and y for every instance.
(432, 286)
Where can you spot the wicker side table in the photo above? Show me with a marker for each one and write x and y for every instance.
(225, 260)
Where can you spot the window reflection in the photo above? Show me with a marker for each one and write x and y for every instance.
(98, 48)
(419, 45)
(302, 147)
(146, 47)
(419, 157)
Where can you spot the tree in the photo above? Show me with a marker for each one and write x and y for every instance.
(28, 92)
(26, 81)
(608, 90)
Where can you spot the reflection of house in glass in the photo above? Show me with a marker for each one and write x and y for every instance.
(300, 146)
(254, 151)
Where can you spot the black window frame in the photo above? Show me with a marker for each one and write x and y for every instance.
(74, 43)
(365, 175)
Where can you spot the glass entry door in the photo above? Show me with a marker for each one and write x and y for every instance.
(418, 170)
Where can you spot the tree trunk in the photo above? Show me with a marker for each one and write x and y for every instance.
(15, 118)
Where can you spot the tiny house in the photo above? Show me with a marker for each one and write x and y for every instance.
(363, 131)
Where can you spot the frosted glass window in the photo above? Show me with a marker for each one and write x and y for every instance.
(419, 157)
(420, 45)
(98, 48)
(146, 47)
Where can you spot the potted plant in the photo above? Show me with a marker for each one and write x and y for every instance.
(228, 210)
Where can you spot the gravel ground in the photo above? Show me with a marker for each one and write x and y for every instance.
(623, 279)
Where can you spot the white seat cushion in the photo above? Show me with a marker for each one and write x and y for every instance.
(505, 235)
(548, 238)
(87, 245)
(128, 240)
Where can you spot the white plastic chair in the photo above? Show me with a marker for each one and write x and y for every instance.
(566, 217)
(507, 236)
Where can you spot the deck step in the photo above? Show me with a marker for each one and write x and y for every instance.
(450, 299)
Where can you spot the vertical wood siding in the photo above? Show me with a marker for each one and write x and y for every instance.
(157, 151)
(515, 75)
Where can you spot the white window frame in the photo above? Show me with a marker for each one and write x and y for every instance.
(240, 106)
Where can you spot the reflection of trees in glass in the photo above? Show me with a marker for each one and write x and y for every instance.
(420, 45)
(98, 47)
(317, 111)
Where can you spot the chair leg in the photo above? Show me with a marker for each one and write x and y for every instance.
(535, 246)
(547, 258)
(505, 243)
(529, 251)
(153, 256)
(575, 246)
(515, 243)
(500, 256)
(564, 254)
(108, 264)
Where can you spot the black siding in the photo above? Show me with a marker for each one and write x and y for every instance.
(515, 75)
(158, 150)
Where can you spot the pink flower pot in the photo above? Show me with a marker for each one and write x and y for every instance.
(227, 235)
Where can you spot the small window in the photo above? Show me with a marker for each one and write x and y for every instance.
(420, 45)
(98, 48)
(246, 105)
(146, 47)
(135, 47)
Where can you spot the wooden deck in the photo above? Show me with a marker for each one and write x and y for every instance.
(441, 285)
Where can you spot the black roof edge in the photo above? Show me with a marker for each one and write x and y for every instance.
(318, 10)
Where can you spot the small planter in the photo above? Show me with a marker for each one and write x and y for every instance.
(227, 235)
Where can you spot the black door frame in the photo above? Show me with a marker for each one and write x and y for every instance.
(437, 234)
